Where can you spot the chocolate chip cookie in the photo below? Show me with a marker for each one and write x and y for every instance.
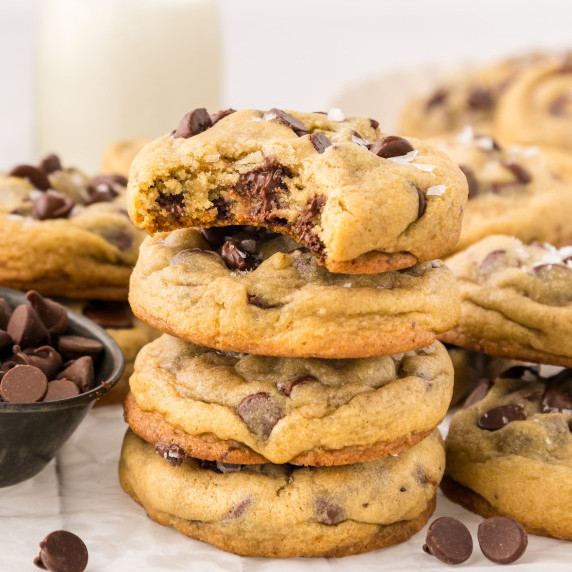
(361, 201)
(512, 190)
(65, 234)
(516, 300)
(247, 290)
(118, 157)
(283, 511)
(510, 453)
(241, 408)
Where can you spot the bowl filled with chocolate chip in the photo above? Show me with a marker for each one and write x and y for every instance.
(54, 365)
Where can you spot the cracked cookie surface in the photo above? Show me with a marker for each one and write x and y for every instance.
(261, 294)
(361, 201)
(516, 300)
(252, 409)
(512, 451)
(283, 511)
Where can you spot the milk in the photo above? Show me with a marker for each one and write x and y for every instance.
(112, 69)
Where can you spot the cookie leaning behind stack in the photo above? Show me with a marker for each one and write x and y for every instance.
(338, 365)
(65, 234)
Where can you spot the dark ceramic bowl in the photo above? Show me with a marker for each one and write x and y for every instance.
(32, 433)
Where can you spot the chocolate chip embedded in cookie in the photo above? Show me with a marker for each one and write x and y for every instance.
(260, 293)
(360, 201)
(315, 511)
(246, 409)
(500, 448)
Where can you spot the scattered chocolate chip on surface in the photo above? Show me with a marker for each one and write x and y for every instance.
(449, 540)
(502, 540)
(62, 551)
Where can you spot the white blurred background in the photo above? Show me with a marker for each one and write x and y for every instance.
(296, 54)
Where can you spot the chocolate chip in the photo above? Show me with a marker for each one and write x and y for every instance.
(120, 237)
(53, 315)
(73, 347)
(112, 179)
(524, 372)
(497, 418)
(290, 121)
(5, 313)
(80, 371)
(558, 106)
(374, 123)
(237, 259)
(193, 123)
(52, 205)
(449, 540)
(173, 204)
(62, 551)
(50, 164)
(480, 99)
(471, 180)
(238, 510)
(555, 400)
(33, 174)
(45, 358)
(171, 453)
(23, 384)
(101, 192)
(491, 260)
(110, 315)
(216, 235)
(61, 389)
(307, 221)
(503, 540)
(260, 413)
(226, 468)
(287, 386)
(216, 117)
(5, 341)
(422, 202)
(320, 142)
(521, 174)
(391, 146)
(328, 512)
(437, 98)
(479, 392)
(26, 328)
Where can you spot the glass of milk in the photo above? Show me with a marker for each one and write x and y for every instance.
(115, 69)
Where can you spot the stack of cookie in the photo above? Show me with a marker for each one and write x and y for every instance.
(66, 234)
(294, 396)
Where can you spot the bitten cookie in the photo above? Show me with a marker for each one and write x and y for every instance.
(510, 454)
(516, 300)
(65, 234)
(260, 293)
(512, 190)
(283, 511)
(119, 155)
(254, 409)
(362, 202)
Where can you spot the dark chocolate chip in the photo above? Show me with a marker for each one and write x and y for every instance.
(259, 302)
(193, 123)
(479, 392)
(73, 347)
(480, 99)
(171, 453)
(216, 117)
(422, 202)
(555, 400)
(327, 512)
(215, 236)
(238, 510)
(237, 259)
(23, 384)
(100, 193)
(437, 98)
(5, 313)
(524, 372)
(290, 121)
(503, 540)
(50, 164)
(306, 222)
(449, 540)
(471, 180)
(558, 106)
(120, 237)
(61, 389)
(33, 174)
(53, 315)
(52, 205)
(521, 174)
(45, 358)
(391, 146)
(320, 142)
(226, 468)
(26, 327)
(5, 340)
(491, 260)
(110, 315)
(287, 387)
(497, 418)
(260, 412)
(173, 204)
(62, 551)
(374, 123)
(80, 371)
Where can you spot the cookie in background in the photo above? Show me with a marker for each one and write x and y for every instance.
(118, 156)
